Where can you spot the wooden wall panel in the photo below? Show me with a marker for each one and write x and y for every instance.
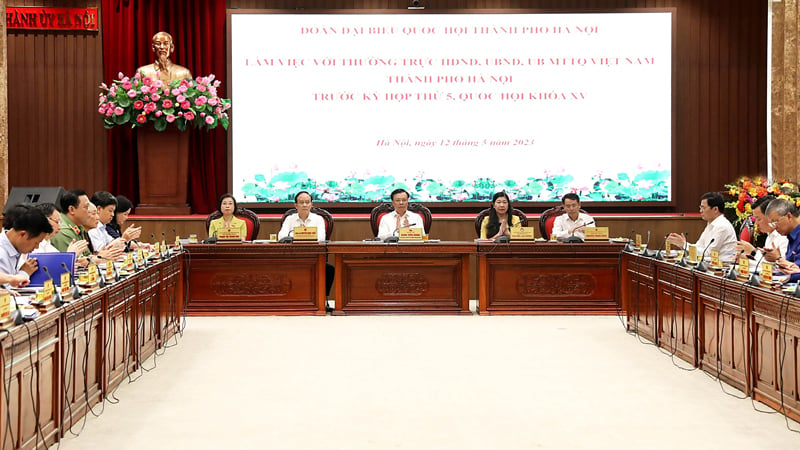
(56, 137)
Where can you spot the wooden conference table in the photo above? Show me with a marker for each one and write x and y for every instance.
(60, 365)
(416, 278)
(748, 336)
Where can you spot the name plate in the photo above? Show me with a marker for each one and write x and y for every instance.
(638, 240)
(693, 253)
(667, 247)
(228, 234)
(596, 233)
(522, 234)
(5, 306)
(109, 270)
(65, 283)
(47, 290)
(715, 262)
(410, 234)
(92, 270)
(193, 239)
(306, 234)
(766, 272)
(744, 268)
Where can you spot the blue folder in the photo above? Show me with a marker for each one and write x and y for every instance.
(53, 263)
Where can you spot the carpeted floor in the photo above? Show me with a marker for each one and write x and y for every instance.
(424, 382)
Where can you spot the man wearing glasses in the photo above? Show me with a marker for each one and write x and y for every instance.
(783, 216)
(719, 233)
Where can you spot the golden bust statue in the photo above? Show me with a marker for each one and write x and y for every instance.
(163, 69)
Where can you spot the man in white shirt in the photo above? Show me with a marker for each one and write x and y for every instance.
(27, 230)
(106, 204)
(303, 217)
(573, 221)
(776, 244)
(719, 233)
(401, 217)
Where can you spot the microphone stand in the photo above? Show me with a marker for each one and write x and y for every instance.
(755, 278)
(658, 256)
(288, 239)
(74, 291)
(701, 266)
(732, 275)
(575, 239)
(629, 247)
(647, 253)
(394, 238)
(16, 315)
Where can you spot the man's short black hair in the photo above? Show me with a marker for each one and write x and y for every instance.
(714, 199)
(71, 198)
(101, 199)
(31, 220)
(570, 196)
(399, 191)
(46, 208)
(763, 202)
(296, 196)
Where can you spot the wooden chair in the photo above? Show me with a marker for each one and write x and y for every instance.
(385, 208)
(326, 216)
(548, 218)
(250, 218)
(747, 232)
(485, 213)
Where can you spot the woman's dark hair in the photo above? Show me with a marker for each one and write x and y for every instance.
(493, 227)
(224, 196)
(123, 205)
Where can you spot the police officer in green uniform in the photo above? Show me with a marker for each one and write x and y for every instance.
(75, 216)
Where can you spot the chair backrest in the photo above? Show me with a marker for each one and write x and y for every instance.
(548, 218)
(746, 233)
(250, 219)
(481, 215)
(385, 208)
(326, 216)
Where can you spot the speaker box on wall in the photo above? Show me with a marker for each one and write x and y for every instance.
(33, 196)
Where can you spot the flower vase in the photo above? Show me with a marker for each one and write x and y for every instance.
(163, 171)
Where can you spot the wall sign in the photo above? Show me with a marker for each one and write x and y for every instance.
(38, 18)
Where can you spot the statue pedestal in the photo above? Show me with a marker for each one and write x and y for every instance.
(163, 171)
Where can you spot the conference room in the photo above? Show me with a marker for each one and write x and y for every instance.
(333, 169)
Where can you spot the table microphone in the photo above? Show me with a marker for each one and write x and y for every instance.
(575, 239)
(16, 315)
(755, 278)
(288, 239)
(394, 238)
(701, 266)
(732, 275)
(164, 251)
(629, 247)
(73, 290)
(658, 256)
(56, 295)
(647, 253)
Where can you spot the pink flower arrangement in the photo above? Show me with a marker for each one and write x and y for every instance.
(139, 100)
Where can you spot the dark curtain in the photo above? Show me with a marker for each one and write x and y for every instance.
(198, 29)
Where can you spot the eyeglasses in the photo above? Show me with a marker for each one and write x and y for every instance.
(775, 223)
(55, 222)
